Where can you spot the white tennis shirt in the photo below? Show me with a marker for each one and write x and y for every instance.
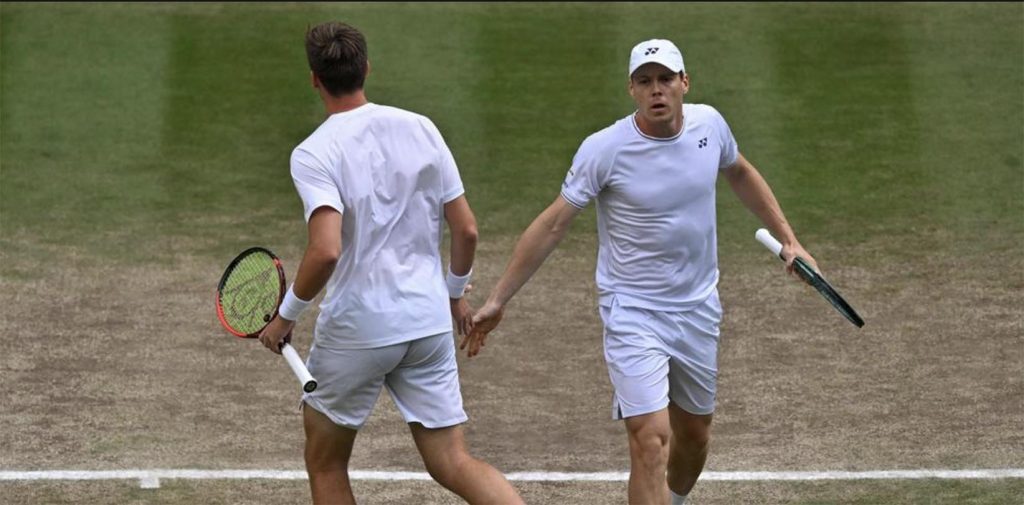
(655, 208)
(389, 172)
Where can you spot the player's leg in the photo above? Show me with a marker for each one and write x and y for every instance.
(350, 383)
(648, 457)
(450, 464)
(688, 449)
(693, 376)
(425, 388)
(638, 369)
(328, 449)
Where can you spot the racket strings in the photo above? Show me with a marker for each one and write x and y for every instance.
(250, 293)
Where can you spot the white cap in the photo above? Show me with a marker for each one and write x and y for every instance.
(660, 51)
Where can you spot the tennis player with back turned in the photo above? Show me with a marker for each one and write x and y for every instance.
(376, 182)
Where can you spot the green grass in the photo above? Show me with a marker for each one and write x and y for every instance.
(129, 130)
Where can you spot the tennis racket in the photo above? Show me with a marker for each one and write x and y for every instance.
(811, 277)
(248, 295)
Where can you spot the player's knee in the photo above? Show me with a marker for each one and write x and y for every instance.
(323, 460)
(693, 436)
(650, 446)
(446, 468)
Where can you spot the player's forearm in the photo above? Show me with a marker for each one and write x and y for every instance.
(315, 270)
(758, 197)
(536, 243)
(463, 250)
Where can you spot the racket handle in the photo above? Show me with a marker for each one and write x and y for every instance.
(766, 238)
(294, 361)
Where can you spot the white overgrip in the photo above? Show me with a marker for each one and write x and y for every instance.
(298, 367)
(766, 238)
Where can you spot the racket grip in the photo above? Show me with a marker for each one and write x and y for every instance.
(299, 368)
(766, 238)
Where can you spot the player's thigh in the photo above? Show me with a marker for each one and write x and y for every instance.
(687, 428)
(425, 385)
(438, 443)
(693, 342)
(350, 381)
(328, 445)
(637, 361)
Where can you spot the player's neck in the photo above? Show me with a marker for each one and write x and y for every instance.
(343, 103)
(660, 129)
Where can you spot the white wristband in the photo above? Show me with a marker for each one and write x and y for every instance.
(457, 284)
(292, 305)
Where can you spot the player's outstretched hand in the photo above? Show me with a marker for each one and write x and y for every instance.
(484, 321)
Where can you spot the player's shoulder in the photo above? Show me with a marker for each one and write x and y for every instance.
(609, 139)
(398, 115)
(701, 112)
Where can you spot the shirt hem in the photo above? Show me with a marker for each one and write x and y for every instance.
(333, 344)
(627, 300)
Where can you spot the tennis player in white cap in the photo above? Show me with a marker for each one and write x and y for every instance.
(652, 176)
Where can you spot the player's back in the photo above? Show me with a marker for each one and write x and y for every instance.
(393, 174)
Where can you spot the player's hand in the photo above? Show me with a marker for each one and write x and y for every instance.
(484, 321)
(277, 333)
(462, 313)
(791, 251)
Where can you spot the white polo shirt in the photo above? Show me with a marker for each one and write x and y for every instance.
(389, 172)
(655, 208)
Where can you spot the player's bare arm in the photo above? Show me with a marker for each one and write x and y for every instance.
(756, 195)
(322, 252)
(533, 247)
(462, 225)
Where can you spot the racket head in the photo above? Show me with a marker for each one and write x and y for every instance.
(815, 279)
(250, 291)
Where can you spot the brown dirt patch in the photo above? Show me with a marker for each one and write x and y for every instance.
(126, 367)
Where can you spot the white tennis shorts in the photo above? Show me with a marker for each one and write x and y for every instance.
(421, 375)
(656, 356)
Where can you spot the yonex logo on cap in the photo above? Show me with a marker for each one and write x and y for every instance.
(650, 51)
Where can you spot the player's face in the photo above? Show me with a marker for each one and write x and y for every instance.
(658, 92)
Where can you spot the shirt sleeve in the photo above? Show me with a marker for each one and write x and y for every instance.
(314, 183)
(587, 176)
(451, 181)
(730, 151)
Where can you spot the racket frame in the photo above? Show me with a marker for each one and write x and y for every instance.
(227, 273)
(309, 384)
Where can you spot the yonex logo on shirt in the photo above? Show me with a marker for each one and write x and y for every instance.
(650, 51)
(703, 142)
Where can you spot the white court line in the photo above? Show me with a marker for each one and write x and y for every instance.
(150, 479)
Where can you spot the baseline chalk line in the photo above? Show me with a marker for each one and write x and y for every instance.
(150, 479)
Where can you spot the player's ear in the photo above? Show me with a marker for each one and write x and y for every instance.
(686, 82)
(629, 87)
(367, 68)
(313, 80)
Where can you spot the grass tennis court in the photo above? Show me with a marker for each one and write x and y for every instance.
(142, 146)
